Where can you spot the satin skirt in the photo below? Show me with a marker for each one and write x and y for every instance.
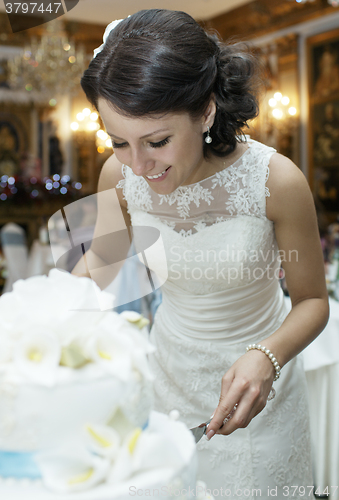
(198, 338)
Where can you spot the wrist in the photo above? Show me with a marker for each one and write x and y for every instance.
(270, 356)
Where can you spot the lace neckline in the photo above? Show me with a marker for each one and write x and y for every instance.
(238, 189)
(241, 157)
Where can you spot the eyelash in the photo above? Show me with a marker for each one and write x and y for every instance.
(152, 144)
(160, 143)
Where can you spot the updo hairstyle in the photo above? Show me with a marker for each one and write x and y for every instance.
(158, 61)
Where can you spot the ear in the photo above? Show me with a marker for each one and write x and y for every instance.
(209, 114)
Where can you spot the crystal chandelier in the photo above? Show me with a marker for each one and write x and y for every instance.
(49, 67)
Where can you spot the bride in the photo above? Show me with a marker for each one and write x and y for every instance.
(175, 101)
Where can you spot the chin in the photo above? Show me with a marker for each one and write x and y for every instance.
(160, 188)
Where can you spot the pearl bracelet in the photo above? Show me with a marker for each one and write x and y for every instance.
(269, 355)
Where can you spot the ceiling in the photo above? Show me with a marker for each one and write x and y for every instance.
(104, 11)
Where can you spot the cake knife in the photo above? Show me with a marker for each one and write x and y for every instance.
(199, 431)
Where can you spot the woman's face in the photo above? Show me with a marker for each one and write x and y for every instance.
(169, 146)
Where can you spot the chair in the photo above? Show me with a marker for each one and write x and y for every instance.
(13, 241)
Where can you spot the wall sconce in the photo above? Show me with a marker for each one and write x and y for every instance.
(281, 108)
(103, 141)
(87, 122)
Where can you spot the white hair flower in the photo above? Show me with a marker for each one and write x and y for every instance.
(108, 29)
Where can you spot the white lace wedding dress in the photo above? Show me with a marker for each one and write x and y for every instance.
(222, 293)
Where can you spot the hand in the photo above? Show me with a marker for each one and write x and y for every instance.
(247, 383)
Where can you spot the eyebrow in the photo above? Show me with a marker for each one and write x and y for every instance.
(143, 137)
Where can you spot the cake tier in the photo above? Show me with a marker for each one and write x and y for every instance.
(34, 417)
(158, 475)
(160, 483)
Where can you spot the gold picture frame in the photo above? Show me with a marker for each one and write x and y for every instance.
(323, 78)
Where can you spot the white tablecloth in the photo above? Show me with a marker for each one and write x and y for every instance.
(321, 361)
(40, 260)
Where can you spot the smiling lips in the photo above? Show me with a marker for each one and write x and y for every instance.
(157, 176)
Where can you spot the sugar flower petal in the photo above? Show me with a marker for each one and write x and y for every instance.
(124, 466)
(113, 352)
(135, 318)
(163, 445)
(6, 349)
(65, 305)
(156, 450)
(36, 357)
(68, 470)
(102, 440)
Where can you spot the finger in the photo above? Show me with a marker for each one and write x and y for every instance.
(226, 405)
(228, 425)
(226, 382)
(247, 409)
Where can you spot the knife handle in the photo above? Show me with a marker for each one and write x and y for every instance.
(226, 419)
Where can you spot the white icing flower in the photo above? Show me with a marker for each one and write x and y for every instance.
(141, 347)
(68, 470)
(108, 29)
(36, 357)
(202, 492)
(102, 440)
(113, 352)
(165, 444)
(120, 348)
(135, 319)
(66, 307)
(124, 466)
(6, 349)
(66, 304)
(140, 362)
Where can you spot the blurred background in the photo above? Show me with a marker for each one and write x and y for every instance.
(52, 144)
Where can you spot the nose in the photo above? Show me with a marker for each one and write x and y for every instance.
(141, 163)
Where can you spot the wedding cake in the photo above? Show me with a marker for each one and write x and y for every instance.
(76, 419)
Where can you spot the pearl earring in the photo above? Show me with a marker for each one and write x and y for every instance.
(208, 138)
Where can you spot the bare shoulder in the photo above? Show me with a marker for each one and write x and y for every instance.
(110, 175)
(289, 190)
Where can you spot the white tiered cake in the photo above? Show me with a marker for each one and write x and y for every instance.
(76, 397)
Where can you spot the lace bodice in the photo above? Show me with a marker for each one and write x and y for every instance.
(215, 232)
(238, 189)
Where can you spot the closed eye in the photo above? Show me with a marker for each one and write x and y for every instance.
(118, 144)
(160, 143)
(152, 144)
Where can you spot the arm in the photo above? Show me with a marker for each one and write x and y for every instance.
(112, 236)
(248, 382)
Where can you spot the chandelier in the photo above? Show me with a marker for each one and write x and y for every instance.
(49, 67)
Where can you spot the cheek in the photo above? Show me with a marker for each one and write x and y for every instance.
(121, 155)
(188, 152)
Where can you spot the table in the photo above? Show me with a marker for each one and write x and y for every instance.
(321, 362)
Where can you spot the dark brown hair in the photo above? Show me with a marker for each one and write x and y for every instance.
(158, 61)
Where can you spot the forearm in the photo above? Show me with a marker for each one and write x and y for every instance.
(92, 266)
(303, 324)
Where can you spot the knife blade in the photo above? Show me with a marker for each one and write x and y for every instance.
(199, 431)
